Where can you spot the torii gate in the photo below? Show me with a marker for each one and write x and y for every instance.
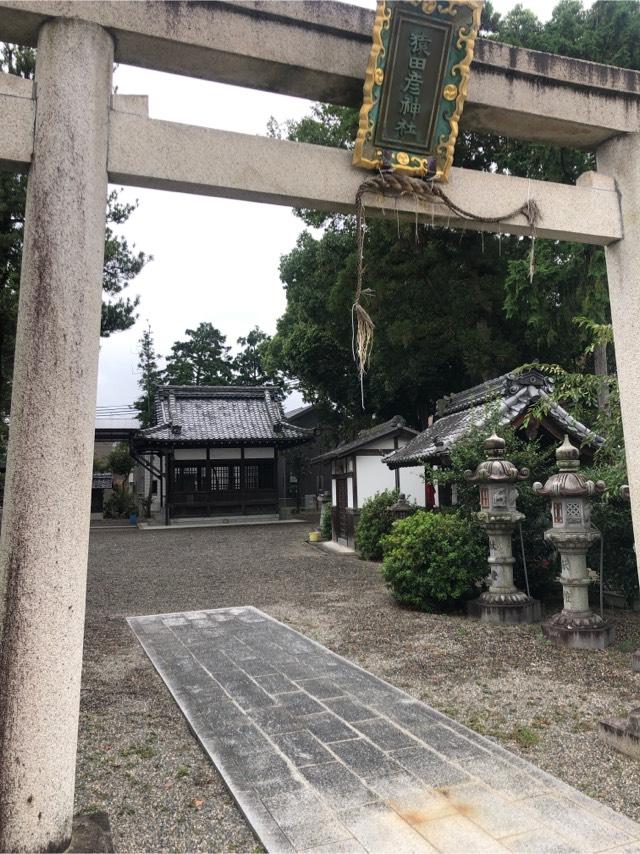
(74, 136)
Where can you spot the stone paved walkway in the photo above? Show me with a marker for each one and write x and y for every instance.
(321, 756)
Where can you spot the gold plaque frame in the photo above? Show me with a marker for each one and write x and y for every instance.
(437, 164)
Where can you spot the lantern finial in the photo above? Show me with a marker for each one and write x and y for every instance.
(567, 455)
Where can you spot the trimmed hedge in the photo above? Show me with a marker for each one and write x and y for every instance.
(375, 521)
(434, 561)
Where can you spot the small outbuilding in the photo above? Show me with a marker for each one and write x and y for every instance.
(511, 396)
(215, 450)
(358, 471)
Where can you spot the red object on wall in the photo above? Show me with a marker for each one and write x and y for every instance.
(429, 495)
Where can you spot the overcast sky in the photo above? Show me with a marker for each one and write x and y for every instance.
(214, 260)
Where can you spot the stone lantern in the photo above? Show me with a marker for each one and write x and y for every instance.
(496, 477)
(573, 534)
(402, 508)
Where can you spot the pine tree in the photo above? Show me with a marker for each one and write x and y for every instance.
(203, 359)
(149, 379)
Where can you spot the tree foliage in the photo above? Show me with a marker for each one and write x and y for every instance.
(376, 520)
(149, 378)
(250, 365)
(121, 262)
(450, 308)
(201, 359)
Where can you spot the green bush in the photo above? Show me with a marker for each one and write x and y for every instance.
(325, 522)
(434, 560)
(375, 521)
(538, 457)
(120, 504)
(613, 518)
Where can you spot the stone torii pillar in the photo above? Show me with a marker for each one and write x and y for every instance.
(43, 551)
(619, 158)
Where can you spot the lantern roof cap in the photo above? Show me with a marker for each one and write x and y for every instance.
(568, 482)
(495, 469)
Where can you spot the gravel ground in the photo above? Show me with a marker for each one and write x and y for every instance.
(139, 761)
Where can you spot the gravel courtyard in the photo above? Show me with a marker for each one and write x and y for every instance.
(139, 761)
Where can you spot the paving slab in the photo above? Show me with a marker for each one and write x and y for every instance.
(322, 756)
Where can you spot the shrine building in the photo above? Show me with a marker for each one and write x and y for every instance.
(214, 450)
(511, 397)
(358, 472)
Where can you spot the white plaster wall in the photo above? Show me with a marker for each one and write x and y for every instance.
(190, 454)
(225, 453)
(259, 453)
(350, 492)
(373, 476)
(334, 498)
(412, 484)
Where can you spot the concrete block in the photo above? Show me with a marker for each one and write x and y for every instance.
(429, 767)
(454, 834)
(365, 760)
(275, 719)
(338, 786)
(322, 689)
(276, 683)
(385, 735)
(306, 820)
(257, 667)
(495, 815)
(381, 829)
(585, 830)
(623, 734)
(328, 728)
(302, 748)
(300, 704)
(539, 842)
(349, 710)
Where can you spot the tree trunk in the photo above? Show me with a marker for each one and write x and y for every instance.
(601, 370)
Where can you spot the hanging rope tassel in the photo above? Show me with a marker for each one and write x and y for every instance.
(362, 326)
(396, 185)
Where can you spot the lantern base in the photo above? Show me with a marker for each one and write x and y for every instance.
(509, 609)
(635, 661)
(623, 734)
(578, 630)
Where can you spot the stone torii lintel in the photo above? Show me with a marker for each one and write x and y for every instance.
(163, 155)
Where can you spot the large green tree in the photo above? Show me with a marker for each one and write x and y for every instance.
(249, 364)
(121, 261)
(201, 359)
(450, 308)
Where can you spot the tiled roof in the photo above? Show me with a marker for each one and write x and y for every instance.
(510, 395)
(395, 426)
(220, 415)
